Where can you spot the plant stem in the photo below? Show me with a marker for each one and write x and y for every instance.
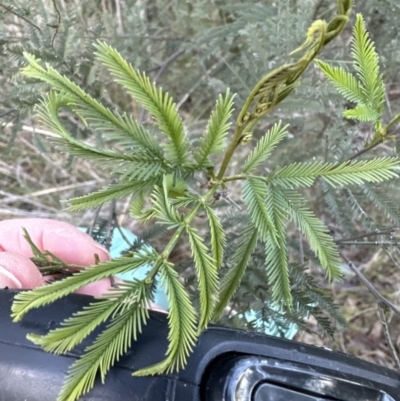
(231, 149)
(235, 178)
(365, 150)
(382, 314)
(10, 10)
(379, 297)
(175, 238)
(367, 243)
(395, 119)
(389, 231)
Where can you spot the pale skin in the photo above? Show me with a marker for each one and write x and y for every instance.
(64, 240)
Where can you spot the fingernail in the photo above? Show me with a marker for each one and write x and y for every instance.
(157, 308)
(102, 248)
(7, 279)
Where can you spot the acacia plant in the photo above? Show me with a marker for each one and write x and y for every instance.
(161, 171)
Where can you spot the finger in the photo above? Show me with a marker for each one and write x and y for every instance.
(17, 271)
(97, 288)
(62, 239)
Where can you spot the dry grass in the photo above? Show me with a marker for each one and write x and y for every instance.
(364, 336)
(36, 182)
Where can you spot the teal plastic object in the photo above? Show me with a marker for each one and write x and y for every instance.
(271, 328)
(119, 245)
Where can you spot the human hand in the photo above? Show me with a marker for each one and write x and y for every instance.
(62, 239)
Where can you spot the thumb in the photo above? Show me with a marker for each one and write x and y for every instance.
(17, 271)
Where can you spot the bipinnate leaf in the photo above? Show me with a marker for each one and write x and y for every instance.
(315, 231)
(77, 327)
(264, 147)
(114, 191)
(207, 276)
(113, 342)
(218, 240)
(216, 131)
(351, 172)
(28, 300)
(90, 110)
(182, 325)
(141, 164)
(159, 104)
(344, 82)
(385, 202)
(276, 260)
(366, 63)
(240, 259)
(254, 194)
(368, 92)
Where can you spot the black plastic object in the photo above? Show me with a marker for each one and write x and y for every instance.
(227, 365)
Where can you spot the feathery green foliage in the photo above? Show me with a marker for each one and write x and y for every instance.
(75, 329)
(208, 279)
(314, 230)
(157, 103)
(216, 131)
(158, 166)
(240, 260)
(368, 92)
(182, 324)
(218, 240)
(264, 147)
(109, 346)
(304, 174)
(254, 194)
(45, 295)
(276, 259)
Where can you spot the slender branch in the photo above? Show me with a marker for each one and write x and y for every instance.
(96, 214)
(395, 119)
(10, 10)
(8, 112)
(379, 297)
(367, 243)
(163, 66)
(167, 63)
(371, 234)
(119, 228)
(199, 81)
(175, 238)
(235, 178)
(231, 149)
(301, 248)
(385, 327)
(110, 225)
(151, 37)
(110, 230)
(316, 10)
(57, 25)
(365, 150)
